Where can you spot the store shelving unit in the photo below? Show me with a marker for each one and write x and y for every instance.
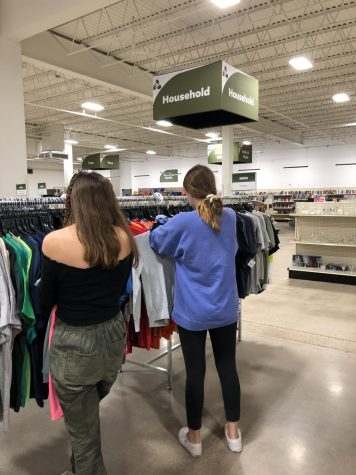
(284, 206)
(326, 232)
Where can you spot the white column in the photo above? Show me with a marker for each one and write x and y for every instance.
(227, 160)
(13, 159)
(68, 164)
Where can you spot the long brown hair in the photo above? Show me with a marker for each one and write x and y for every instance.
(199, 182)
(92, 206)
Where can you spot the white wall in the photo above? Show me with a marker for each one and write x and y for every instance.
(52, 178)
(154, 167)
(321, 171)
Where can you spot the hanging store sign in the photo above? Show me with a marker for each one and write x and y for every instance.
(241, 153)
(244, 181)
(101, 161)
(215, 153)
(245, 153)
(208, 96)
(21, 189)
(169, 176)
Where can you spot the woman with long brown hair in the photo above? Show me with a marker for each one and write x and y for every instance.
(85, 268)
(203, 244)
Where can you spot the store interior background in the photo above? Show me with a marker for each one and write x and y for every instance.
(108, 52)
(297, 357)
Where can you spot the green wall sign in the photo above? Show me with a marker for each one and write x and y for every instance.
(207, 96)
(169, 176)
(101, 161)
(21, 189)
(41, 186)
(243, 177)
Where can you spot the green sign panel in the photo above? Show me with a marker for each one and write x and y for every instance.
(207, 96)
(101, 161)
(215, 153)
(41, 186)
(245, 154)
(169, 176)
(241, 153)
(243, 177)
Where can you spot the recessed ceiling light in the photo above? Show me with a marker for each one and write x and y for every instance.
(71, 141)
(92, 106)
(80, 159)
(246, 142)
(341, 97)
(164, 123)
(151, 152)
(225, 3)
(212, 135)
(108, 146)
(301, 63)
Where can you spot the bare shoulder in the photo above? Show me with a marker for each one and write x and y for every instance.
(54, 242)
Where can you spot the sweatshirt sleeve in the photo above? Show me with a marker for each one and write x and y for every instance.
(48, 285)
(166, 239)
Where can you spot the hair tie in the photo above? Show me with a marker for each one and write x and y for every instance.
(211, 198)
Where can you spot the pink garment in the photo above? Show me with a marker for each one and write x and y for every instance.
(55, 407)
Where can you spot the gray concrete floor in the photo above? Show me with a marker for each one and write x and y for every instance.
(297, 363)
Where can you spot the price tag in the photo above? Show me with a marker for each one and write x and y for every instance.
(252, 263)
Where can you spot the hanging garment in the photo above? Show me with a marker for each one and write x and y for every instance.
(157, 276)
(10, 324)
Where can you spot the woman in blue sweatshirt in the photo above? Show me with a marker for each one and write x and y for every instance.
(203, 244)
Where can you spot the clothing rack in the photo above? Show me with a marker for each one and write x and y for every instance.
(127, 202)
(158, 202)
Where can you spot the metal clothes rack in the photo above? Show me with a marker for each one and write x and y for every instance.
(156, 201)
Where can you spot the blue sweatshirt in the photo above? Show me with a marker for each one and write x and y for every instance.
(205, 294)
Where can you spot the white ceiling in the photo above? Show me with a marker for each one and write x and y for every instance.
(134, 39)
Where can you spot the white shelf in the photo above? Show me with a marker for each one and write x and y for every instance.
(322, 271)
(333, 244)
(325, 215)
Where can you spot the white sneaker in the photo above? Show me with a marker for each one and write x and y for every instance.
(235, 445)
(195, 450)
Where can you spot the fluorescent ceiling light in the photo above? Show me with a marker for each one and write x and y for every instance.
(351, 124)
(108, 146)
(116, 149)
(300, 63)
(71, 141)
(79, 159)
(212, 135)
(164, 123)
(92, 106)
(341, 97)
(225, 3)
(246, 142)
(151, 152)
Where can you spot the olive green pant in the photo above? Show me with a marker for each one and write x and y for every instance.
(84, 362)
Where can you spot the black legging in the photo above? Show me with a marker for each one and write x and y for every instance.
(223, 341)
